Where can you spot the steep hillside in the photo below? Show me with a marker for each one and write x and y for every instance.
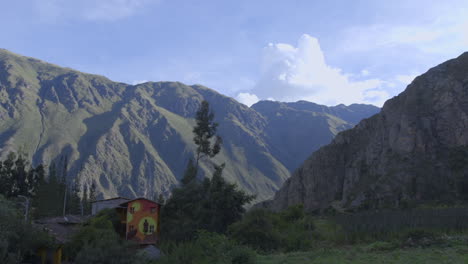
(295, 130)
(414, 150)
(135, 140)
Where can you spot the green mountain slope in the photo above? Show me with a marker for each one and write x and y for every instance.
(135, 140)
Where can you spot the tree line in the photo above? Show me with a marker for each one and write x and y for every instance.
(48, 190)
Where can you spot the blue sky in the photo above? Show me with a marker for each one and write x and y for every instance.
(329, 52)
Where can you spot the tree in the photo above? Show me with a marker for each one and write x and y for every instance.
(66, 192)
(212, 204)
(92, 193)
(223, 203)
(97, 242)
(19, 239)
(204, 131)
(74, 204)
(190, 173)
(17, 177)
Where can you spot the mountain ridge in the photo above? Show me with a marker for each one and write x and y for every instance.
(135, 140)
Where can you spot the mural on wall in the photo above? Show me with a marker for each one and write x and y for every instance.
(142, 221)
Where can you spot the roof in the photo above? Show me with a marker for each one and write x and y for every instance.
(141, 198)
(115, 198)
(62, 228)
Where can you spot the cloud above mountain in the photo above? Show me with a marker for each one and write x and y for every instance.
(290, 73)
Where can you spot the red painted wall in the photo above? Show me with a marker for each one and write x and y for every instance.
(142, 221)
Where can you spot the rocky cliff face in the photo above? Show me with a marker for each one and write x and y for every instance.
(135, 140)
(415, 149)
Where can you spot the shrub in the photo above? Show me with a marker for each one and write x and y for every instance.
(258, 230)
(264, 231)
(388, 223)
(97, 242)
(420, 238)
(19, 240)
(207, 248)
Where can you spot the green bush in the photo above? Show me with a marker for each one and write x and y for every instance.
(264, 231)
(207, 248)
(389, 224)
(420, 238)
(258, 230)
(19, 240)
(97, 242)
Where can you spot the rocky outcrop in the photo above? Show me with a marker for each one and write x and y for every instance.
(414, 150)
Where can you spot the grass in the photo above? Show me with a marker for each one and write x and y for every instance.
(362, 254)
(424, 245)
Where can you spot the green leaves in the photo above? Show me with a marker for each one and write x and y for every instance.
(265, 231)
(207, 248)
(18, 178)
(18, 239)
(204, 131)
(211, 205)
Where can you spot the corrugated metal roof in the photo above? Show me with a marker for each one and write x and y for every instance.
(115, 198)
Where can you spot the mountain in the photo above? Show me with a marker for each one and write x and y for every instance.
(414, 151)
(135, 140)
(295, 130)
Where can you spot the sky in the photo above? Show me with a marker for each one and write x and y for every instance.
(328, 52)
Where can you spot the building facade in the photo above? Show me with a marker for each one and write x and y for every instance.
(141, 220)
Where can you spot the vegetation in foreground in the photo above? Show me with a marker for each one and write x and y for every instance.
(363, 254)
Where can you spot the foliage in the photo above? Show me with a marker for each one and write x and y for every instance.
(204, 131)
(18, 240)
(17, 177)
(58, 191)
(211, 205)
(258, 231)
(391, 223)
(358, 254)
(266, 231)
(48, 194)
(190, 173)
(207, 248)
(98, 242)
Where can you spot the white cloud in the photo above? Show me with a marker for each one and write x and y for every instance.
(365, 73)
(247, 98)
(444, 34)
(301, 73)
(92, 10)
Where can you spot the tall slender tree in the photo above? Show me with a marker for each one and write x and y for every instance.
(212, 204)
(208, 143)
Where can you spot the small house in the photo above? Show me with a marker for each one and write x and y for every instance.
(140, 219)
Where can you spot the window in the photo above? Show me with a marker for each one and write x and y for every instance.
(151, 229)
(153, 210)
(132, 210)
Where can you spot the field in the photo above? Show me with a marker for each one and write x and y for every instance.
(365, 254)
